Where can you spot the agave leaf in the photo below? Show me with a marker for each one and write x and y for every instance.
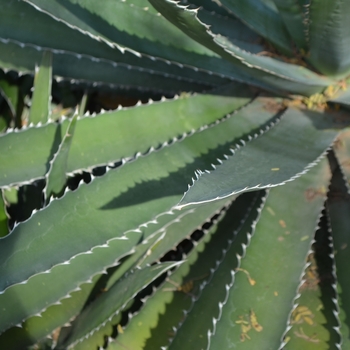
(31, 24)
(342, 98)
(26, 153)
(263, 19)
(190, 64)
(277, 74)
(101, 225)
(162, 239)
(179, 231)
(56, 175)
(31, 299)
(215, 286)
(138, 258)
(238, 33)
(292, 13)
(22, 57)
(329, 26)
(339, 209)
(110, 303)
(342, 152)
(10, 92)
(165, 309)
(301, 136)
(119, 23)
(244, 315)
(40, 104)
(313, 322)
(3, 217)
(42, 325)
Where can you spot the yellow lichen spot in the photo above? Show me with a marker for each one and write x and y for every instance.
(308, 320)
(302, 314)
(269, 209)
(282, 223)
(304, 238)
(343, 246)
(254, 321)
(120, 329)
(287, 339)
(275, 293)
(252, 282)
(275, 169)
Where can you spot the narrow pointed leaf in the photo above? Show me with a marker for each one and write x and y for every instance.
(285, 152)
(22, 57)
(313, 322)
(94, 208)
(152, 327)
(263, 19)
(277, 74)
(342, 152)
(25, 153)
(118, 22)
(292, 14)
(3, 217)
(56, 176)
(328, 36)
(38, 327)
(110, 303)
(40, 106)
(288, 233)
(339, 214)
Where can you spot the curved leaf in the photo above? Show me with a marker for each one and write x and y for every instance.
(328, 36)
(26, 153)
(271, 72)
(284, 153)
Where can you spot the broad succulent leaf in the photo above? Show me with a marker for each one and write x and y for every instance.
(338, 208)
(95, 219)
(108, 210)
(271, 27)
(186, 113)
(313, 323)
(328, 24)
(96, 314)
(303, 132)
(170, 303)
(270, 73)
(248, 277)
(40, 106)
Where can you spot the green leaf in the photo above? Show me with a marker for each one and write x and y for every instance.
(119, 23)
(29, 29)
(293, 16)
(263, 19)
(3, 217)
(339, 209)
(110, 303)
(93, 70)
(152, 326)
(56, 175)
(342, 152)
(284, 153)
(36, 328)
(26, 153)
(276, 74)
(248, 294)
(313, 322)
(328, 36)
(73, 249)
(40, 104)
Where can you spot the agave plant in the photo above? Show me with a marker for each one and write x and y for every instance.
(211, 214)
